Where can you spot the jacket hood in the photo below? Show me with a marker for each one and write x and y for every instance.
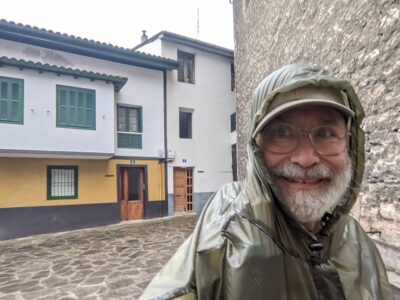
(258, 180)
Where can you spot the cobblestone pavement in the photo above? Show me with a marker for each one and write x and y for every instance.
(110, 262)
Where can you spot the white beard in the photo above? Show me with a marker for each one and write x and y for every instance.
(310, 205)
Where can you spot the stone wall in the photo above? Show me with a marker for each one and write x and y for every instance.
(358, 40)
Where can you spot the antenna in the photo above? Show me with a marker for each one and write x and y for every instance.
(198, 19)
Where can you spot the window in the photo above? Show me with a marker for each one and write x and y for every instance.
(11, 100)
(62, 182)
(232, 77)
(129, 127)
(234, 162)
(186, 67)
(185, 125)
(233, 122)
(76, 107)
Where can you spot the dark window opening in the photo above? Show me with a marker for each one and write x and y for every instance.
(232, 77)
(234, 163)
(185, 125)
(233, 122)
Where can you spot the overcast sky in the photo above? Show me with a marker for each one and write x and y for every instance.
(120, 22)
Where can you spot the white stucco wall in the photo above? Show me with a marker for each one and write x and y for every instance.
(152, 48)
(39, 131)
(212, 101)
(143, 88)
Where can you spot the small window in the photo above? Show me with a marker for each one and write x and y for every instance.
(76, 107)
(233, 122)
(186, 67)
(185, 125)
(234, 162)
(232, 77)
(62, 182)
(129, 127)
(11, 100)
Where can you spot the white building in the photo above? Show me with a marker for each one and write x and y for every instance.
(92, 134)
(200, 107)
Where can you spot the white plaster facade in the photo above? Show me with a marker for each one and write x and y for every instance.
(39, 131)
(212, 102)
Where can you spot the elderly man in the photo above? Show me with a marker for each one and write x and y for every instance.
(285, 232)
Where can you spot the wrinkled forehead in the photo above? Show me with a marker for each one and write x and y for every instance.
(311, 115)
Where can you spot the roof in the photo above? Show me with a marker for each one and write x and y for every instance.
(183, 40)
(117, 81)
(82, 46)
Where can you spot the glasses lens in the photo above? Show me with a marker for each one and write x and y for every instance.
(279, 139)
(328, 140)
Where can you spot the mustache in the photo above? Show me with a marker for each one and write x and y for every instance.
(288, 170)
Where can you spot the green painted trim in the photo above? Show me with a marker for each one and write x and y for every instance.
(117, 81)
(60, 88)
(127, 107)
(75, 196)
(140, 111)
(69, 43)
(20, 112)
(129, 140)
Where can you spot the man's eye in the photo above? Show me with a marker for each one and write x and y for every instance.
(280, 132)
(325, 132)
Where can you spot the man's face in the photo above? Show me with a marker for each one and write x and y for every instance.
(310, 183)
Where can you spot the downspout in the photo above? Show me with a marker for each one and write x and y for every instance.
(165, 141)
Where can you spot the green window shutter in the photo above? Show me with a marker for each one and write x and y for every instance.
(76, 107)
(129, 120)
(128, 140)
(11, 100)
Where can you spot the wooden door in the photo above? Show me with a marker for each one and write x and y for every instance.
(183, 189)
(132, 190)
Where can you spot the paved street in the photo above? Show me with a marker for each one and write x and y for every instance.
(111, 262)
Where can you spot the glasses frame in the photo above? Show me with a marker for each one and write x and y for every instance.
(302, 133)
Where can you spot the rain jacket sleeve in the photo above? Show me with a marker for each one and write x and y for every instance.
(199, 260)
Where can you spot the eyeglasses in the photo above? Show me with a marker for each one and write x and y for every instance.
(284, 138)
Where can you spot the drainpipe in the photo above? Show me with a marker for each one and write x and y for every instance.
(165, 140)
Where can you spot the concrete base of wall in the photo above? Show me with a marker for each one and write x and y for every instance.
(27, 221)
(200, 200)
(155, 209)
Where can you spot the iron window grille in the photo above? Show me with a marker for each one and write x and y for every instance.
(62, 182)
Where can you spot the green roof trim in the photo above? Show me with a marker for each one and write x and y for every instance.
(117, 81)
(190, 42)
(69, 43)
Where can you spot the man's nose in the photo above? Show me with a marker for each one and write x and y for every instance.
(305, 155)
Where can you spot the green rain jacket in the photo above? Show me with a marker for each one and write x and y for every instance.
(247, 244)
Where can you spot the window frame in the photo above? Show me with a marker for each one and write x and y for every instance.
(184, 58)
(20, 100)
(190, 125)
(232, 77)
(133, 138)
(59, 88)
(233, 122)
(49, 182)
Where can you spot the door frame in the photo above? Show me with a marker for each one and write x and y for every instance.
(145, 182)
(173, 193)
